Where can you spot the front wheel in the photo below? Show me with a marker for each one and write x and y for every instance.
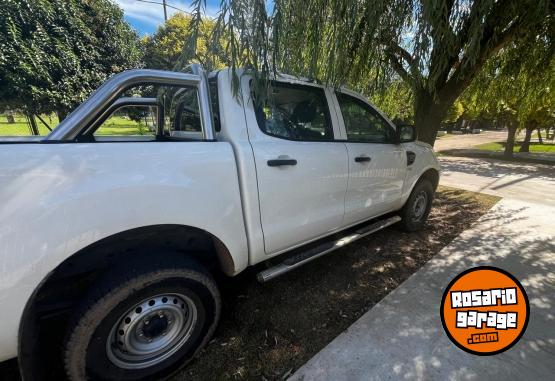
(142, 324)
(417, 208)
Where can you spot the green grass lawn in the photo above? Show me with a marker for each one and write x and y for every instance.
(534, 147)
(115, 125)
(21, 125)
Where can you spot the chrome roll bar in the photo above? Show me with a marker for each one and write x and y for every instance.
(207, 117)
(106, 94)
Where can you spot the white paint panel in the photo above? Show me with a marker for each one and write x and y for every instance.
(375, 187)
(304, 201)
(425, 159)
(59, 198)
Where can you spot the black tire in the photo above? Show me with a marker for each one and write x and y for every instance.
(413, 217)
(88, 354)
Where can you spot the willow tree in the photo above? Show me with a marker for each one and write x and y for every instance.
(517, 88)
(435, 46)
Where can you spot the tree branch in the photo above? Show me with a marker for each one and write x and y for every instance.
(396, 55)
(490, 44)
(461, 39)
(437, 29)
(402, 53)
(463, 34)
(359, 31)
(398, 67)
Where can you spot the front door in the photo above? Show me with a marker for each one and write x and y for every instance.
(301, 171)
(377, 165)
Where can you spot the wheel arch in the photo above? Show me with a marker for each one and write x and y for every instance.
(430, 174)
(53, 297)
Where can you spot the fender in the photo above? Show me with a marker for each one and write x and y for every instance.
(425, 161)
(85, 192)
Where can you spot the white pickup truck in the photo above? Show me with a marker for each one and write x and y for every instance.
(109, 241)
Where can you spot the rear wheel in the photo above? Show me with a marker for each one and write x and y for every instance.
(417, 208)
(142, 323)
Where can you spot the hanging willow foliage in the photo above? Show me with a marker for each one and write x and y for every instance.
(435, 46)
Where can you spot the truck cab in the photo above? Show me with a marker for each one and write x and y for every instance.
(222, 176)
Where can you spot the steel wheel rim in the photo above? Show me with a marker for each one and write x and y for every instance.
(419, 206)
(152, 331)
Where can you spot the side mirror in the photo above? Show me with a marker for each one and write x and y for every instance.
(406, 133)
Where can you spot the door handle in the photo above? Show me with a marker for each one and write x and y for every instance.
(362, 159)
(281, 162)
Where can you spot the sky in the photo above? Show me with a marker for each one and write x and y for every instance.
(146, 17)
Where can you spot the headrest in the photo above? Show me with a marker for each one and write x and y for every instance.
(304, 112)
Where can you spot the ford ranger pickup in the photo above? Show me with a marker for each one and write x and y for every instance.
(110, 238)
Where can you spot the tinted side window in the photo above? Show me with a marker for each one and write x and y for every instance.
(295, 112)
(363, 124)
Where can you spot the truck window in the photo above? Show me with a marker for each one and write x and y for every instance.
(130, 121)
(149, 112)
(295, 112)
(364, 124)
(182, 111)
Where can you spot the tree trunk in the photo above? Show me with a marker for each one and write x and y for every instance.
(459, 122)
(61, 115)
(525, 146)
(10, 117)
(510, 145)
(428, 116)
(33, 125)
(540, 139)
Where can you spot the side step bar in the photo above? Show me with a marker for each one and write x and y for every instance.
(322, 249)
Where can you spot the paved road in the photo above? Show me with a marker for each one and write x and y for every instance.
(402, 337)
(469, 140)
(526, 182)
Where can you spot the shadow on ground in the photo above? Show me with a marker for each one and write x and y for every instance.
(268, 331)
(495, 169)
(402, 337)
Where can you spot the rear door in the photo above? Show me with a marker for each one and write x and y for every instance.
(377, 165)
(302, 171)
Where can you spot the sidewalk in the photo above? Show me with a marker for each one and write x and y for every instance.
(402, 337)
(519, 181)
(448, 142)
(523, 157)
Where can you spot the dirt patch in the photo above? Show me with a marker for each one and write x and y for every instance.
(269, 330)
